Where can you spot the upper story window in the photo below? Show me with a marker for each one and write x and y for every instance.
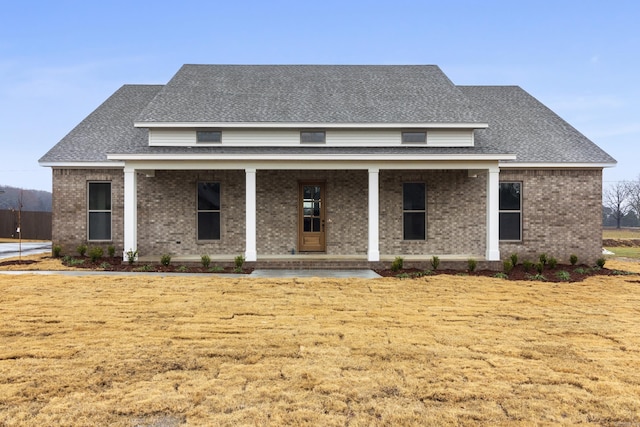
(208, 136)
(313, 136)
(414, 137)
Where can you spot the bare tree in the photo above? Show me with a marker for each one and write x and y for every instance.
(615, 198)
(633, 196)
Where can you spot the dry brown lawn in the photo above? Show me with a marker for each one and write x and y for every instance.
(148, 351)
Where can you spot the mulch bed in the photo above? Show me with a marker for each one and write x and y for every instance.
(116, 264)
(17, 262)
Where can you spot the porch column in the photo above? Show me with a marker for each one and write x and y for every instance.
(130, 212)
(251, 253)
(493, 199)
(373, 253)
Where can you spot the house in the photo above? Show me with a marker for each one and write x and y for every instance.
(332, 163)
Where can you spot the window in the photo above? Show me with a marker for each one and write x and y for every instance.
(208, 211)
(313, 136)
(413, 137)
(99, 211)
(414, 211)
(510, 211)
(208, 136)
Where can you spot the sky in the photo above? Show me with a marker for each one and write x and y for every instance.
(59, 60)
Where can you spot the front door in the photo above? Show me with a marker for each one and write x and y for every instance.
(311, 235)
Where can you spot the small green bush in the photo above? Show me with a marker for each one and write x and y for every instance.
(552, 263)
(105, 266)
(514, 259)
(581, 270)
(82, 250)
(563, 275)
(56, 250)
(182, 269)
(507, 266)
(145, 267)
(131, 256)
(435, 262)
(543, 259)
(540, 267)
(205, 260)
(600, 262)
(528, 265)
(472, 264)
(397, 264)
(96, 253)
(111, 250)
(538, 277)
(216, 269)
(402, 276)
(573, 259)
(165, 260)
(502, 275)
(239, 262)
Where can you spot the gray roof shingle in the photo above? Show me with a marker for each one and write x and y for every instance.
(518, 123)
(310, 94)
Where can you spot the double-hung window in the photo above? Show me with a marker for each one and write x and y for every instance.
(510, 211)
(414, 211)
(99, 211)
(208, 211)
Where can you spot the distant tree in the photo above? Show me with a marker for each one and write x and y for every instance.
(615, 198)
(633, 196)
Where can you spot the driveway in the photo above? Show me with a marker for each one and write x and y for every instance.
(10, 250)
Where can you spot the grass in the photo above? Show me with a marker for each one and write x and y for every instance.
(626, 251)
(428, 351)
(623, 233)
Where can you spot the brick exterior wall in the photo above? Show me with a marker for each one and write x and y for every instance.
(562, 214)
(69, 219)
(456, 213)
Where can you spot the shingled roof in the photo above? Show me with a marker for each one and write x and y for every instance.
(517, 122)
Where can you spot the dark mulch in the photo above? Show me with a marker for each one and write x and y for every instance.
(17, 262)
(116, 264)
(518, 273)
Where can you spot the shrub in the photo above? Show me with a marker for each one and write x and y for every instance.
(543, 259)
(528, 265)
(540, 267)
(205, 260)
(581, 270)
(105, 266)
(514, 259)
(145, 267)
(397, 264)
(56, 250)
(472, 264)
(82, 250)
(165, 260)
(435, 262)
(502, 275)
(132, 255)
(111, 250)
(216, 269)
(96, 253)
(239, 262)
(600, 262)
(563, 275)
(573, 259)
(552, 263)
(507, 266)
(403, 276)
(539, 277)
(182, 269)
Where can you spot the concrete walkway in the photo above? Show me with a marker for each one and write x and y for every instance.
(261, 274)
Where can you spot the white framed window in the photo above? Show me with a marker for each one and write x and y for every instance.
(313, 136)
(208, 211)
(208, 136)
(414, 137)
(510, 212)
(414, 211)
(99, 211)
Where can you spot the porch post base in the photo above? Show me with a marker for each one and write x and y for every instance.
(250, 256)
(493, 255)
(373, 256)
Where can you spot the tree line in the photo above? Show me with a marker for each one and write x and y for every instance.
(621, 204)
(12, 198)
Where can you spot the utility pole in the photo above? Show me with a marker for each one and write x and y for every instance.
(20, 228)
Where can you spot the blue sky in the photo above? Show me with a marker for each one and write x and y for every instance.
(60, 60)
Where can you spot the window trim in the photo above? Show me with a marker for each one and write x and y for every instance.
(414, 132)
(311, 133)
(518, 211)
(219, 211)
(415, 211)
(200, 132)
(90, 211)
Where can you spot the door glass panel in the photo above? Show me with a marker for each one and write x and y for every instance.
(307, 225)
(312, 208)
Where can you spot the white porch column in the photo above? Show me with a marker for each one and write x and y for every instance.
(251, 253)
(493, 199)
(373, 253)
(130, 212)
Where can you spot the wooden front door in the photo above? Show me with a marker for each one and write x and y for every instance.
(312, 200)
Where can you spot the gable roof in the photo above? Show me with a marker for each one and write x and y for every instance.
(517, 122)
(309, 94)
